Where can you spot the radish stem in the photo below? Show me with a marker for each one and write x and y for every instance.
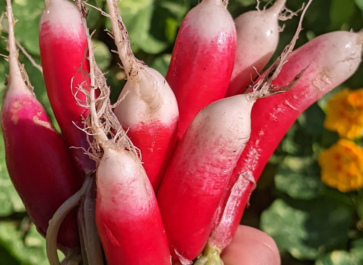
(56, 221)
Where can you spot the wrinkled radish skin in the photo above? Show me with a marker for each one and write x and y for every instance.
(63, 47)
(257, 39)
(202, 60)
(128, 227)
(199, 171)
(332, 58)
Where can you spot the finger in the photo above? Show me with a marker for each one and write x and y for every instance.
(251, 246)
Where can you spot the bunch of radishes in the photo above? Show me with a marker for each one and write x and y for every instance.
(174, 165)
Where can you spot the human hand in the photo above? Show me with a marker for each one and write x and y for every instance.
(251, 246)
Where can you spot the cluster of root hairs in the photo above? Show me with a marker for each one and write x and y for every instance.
(263, 87)
(102, 126)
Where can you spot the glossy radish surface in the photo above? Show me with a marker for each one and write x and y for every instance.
(202, 60)
(331, 59)
(63, 50)
(257, 39)
(199, 172)
(149, 113)
(127, 215)
(37, 157)
(147, 107)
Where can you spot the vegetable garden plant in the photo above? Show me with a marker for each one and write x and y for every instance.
(162, 171)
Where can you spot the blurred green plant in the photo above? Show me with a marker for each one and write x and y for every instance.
(311, 223)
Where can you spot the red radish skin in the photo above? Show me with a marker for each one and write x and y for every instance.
(332, 58)
(149, 113)
(147, 108)
(37, 157)
(127, 215)
(257, 39)
(131, 230)
(199, 171)
(202, 60)
(63, 47)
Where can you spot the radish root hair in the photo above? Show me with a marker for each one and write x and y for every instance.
(101, 123)
(263, 87)
(131, 64)
(134, 68)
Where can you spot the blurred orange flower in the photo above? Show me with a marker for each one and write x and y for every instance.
(345, 113)
(342, 166)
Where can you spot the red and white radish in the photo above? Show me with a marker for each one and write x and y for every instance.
(202, 60)
(257, 39)
(199, 172)
(331, 59)
(37, 157)
(200, 169)
(127, 214)
(202, 164)
(147, 109)
(63, 48)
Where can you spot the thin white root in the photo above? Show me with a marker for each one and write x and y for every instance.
(93, 246)
(263, 87)
(58, 217)
(105, 129)
(29, 56)
(23, 50)
(131, 64)
(287, 14)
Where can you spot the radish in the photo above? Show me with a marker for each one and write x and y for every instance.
(37, 157)
(331, 59)
(203, 162)
(127, 214)
(202, 60)
(63, 47)
(257, 39)
(147, 107)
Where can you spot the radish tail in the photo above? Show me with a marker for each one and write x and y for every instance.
(92, 243)
(56, 221)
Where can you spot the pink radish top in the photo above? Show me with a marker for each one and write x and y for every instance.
(257, 39)
(63, 50)
(202, 61)
(149, 112)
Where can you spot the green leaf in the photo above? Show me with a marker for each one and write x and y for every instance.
(102, 54)
(161, 64)
(26, 248)
(146, 30)
(357, 250)
(312, 120)
(28, 13)
(299, 177)
(341, 12)
(336, 258)
(10, 201)
(246, 2)
(307, 229)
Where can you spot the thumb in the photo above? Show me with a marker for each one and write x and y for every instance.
(251, 246)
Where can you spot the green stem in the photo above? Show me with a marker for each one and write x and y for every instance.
(210, 256)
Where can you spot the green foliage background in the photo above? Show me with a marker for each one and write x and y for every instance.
(311, 223)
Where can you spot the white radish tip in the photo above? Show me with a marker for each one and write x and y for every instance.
(54, 12)
(277, 7)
